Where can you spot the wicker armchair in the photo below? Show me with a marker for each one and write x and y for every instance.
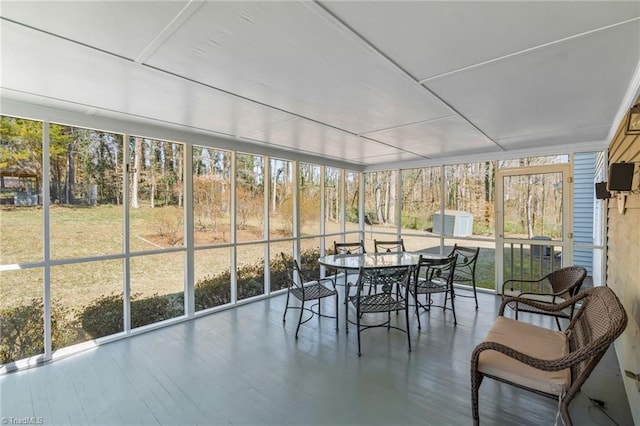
(553, 288)
(306, 289)
(389, 246)
(551, 363)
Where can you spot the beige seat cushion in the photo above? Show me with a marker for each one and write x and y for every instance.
(532, 340)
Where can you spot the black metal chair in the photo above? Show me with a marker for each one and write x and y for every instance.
(306, 289)
(378, 291)
(465, 271)
(434, 276)
(389, 246)
(552, 289)
(348, 248)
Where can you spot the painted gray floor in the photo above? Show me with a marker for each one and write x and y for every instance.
(243, 366)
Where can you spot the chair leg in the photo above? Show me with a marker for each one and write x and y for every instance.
(415, 299)
(346, 317)
(336, 296)
(558, 323)
(475, 294)
(453, 308)
(564, 412)
(476, 380)
(406, 319)
(358, 325)
(300, 318)
(286, 307)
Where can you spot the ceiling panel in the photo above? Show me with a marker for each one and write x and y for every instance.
(564, 137)
(95, 79)
(569, 85)
(123, 27)
(335, 79)
(286, 55)
(310, 137)
(438, 138)
(439, 37)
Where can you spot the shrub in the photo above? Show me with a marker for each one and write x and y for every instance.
(22, 329)
(213, 291)
(105, 315)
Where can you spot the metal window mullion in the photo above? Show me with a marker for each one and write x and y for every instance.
(398, 201)
(234, 234)
(126, 233)
(443, 202)
(266, 197)
(361, 206)
(46, 235)
(323, 215)
(342, 185)
(189, 267)
(296, 210)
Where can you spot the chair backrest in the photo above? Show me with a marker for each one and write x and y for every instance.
(293, 276)
(467, 259)
(567, 281)
(389, 246)
(384, 279)
(599, 321)
(348, 248)
(437, 269)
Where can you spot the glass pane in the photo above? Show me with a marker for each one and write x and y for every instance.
(486, 264)
(332, 200)
(250, 270)
(534, 161)
(421, 189)
(212, 277)
(157, 288)
(428, 244)
(90, 296)
(533, 206)
(20, 190)
(211, 196)
(352, 200)
(156, 187)
(420, 198)
(281, 199)
(249, 197)
(380, 198)
(530, 262)
(277, 263)
(470, 200)
(86, 192)
(310, 197)
(22, 314)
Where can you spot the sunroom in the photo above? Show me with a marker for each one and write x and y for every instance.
(162, 161)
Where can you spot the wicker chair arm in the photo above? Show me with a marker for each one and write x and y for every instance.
(548, 307)
(540, 293)
(556, 364)
(520, 282)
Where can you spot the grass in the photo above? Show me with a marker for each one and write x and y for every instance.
(79, 232)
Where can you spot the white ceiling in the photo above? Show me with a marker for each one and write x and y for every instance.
(368, 83)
